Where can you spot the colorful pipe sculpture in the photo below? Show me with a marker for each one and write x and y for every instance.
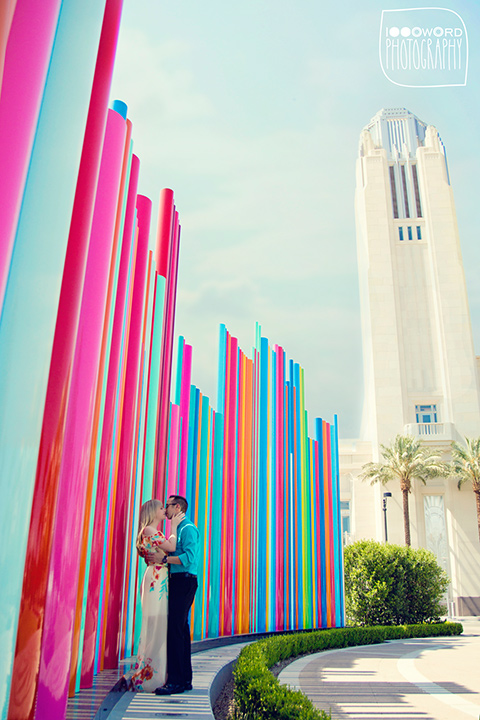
(88, 430)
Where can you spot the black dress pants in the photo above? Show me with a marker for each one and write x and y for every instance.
(182, 589)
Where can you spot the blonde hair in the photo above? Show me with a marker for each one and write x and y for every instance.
(148, 514)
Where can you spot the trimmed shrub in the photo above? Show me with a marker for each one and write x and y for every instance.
(392, 584)
(259, 695)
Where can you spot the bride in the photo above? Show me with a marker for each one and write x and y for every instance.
(151, 667)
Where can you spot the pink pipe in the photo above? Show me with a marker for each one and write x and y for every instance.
(279, 520)
(163, 251)
(30, 41)
(118, 419)
(128, 640)
(209, 519)
(239, 490)
(144, 209)
(253, 534)
(331, 525)
(91, 619)
(230, 482)
(117, 423)
(166, 358)
(225, 508)
(184, 414)
(64, 563)
(165, 228)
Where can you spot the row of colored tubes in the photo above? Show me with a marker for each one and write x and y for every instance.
(264, 496)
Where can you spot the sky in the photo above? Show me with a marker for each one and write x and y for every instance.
(251, 112)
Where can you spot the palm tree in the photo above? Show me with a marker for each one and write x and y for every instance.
(405, 460)
(466, 466)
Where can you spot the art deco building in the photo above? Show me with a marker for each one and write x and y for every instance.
(420, 369)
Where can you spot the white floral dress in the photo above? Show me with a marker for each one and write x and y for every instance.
(150, 670)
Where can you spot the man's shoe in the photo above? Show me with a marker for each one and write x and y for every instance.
(170, 689)
(187, 687)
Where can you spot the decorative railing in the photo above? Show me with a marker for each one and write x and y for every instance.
(440, 431)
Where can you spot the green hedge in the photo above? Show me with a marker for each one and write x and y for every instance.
(259, 695)
(389, 584)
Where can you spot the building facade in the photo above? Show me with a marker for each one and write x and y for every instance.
(420, 369)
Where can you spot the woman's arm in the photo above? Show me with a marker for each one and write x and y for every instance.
(170, 545)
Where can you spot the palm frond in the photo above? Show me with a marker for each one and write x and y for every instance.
(377, 473)
(404, 460)
(466, 462)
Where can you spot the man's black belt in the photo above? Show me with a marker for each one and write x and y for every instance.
(182, 574)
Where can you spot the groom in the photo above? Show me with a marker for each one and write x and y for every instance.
(182, 587)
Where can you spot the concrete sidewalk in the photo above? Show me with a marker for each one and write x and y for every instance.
(195, 705)
(417, 679)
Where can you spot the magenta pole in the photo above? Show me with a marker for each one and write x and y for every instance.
(30, 41)
(144, 211)
(184, 415)
(280, 483)
(165, 227)
(65, 558)
(166, 213)
(96, 559)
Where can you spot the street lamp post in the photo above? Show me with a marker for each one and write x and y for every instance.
(385, 496)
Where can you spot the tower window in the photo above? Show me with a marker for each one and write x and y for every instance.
(426, 413)
(405, 195)
(416, 190)
(419, 232)
(409, 230)
(400, 233)
(394, 192)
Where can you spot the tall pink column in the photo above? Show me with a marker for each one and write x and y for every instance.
(144, 209)
(280, 480)
(229, 482)
(163, 250)
(91, 620)
(165, 228)
(30, 32)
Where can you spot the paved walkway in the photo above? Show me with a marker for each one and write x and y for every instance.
(417, 679)
(194, 705)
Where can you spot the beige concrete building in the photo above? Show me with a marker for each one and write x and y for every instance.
(420, 369)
